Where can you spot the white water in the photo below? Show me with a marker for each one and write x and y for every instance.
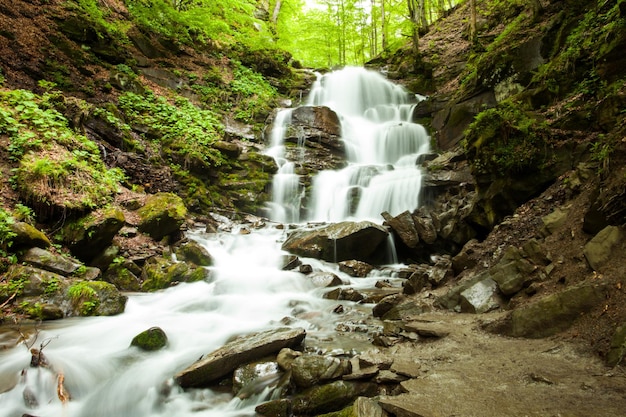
(106, 377)
(382, 148)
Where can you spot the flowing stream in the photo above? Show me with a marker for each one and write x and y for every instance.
(247, 292)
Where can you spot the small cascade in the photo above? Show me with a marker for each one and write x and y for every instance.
(382, 149)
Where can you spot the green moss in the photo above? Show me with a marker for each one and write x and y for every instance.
(84, 295)
(505, 140)
(32, 310)
(151, 339)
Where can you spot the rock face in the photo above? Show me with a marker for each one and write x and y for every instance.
(364, 241)
(244, 349)
(162, 215)
(601, 247)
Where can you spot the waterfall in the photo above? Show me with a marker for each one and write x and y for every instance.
(382, 149)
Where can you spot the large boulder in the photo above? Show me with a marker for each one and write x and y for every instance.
(95, 298)
(226, 359)
(159, 273)
(363, 241)
(553, 313)
(162, 215)
(152, 339)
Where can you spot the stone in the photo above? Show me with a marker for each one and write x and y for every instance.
(309, 370)
(226, 359)
(325, 279)
(363, 241)
(427, 330)
(91, 235)
(512, 273)
(349, 294)
(122, 278)
(553, 221)
(95, 298)
(49, 261)
(331, 397)
(386, 304)
(406, 406)
(480, 297)
(152, 339)
(404, 227)
(27, 236)
(28, 281)
(162, 215)
(160, 273)
(602, 246)
(554, 313)
(289, 262)
(275, 408)
(193, 252)
(354, 268)
(286, 357)
(230, 149)
(252, 378)
(617, 350)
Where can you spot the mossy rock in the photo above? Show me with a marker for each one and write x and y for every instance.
(28, 236)
(162, 273)
(152, 339)
(95, 298)
(331, 397)
(92, 234)
(28, 281)
(122, 278)
(194, 252)
(162, 215)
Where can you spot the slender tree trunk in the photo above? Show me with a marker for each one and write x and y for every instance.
(383, 24)
(473, 36)
(276, 11)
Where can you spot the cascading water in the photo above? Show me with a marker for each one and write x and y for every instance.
(248, 291)
(382, 149)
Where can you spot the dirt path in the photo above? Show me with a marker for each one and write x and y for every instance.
(474, 373)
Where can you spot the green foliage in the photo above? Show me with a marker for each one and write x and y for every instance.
(601, 151)
(253, 94)
(24, 213)
(505, 140)
(55, 164)
(185, 132)
(6, 234)
(84, 296)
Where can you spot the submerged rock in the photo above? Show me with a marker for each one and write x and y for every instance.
(226, 359)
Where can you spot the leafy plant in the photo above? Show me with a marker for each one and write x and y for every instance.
(6, 234)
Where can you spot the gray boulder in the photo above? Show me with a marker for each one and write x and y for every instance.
(226, 359)
(331, 397)
(364, 241)
(601, 247)
(49, 261)
(92, 234)
(309, 370)
(27, 236)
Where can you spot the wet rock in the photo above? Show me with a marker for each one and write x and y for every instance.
(152, 339)
(348, 294)
(92, 234)
(355, 268)
(386, 304)
(337, 242)
(317, 123)
(194, 252)
(230, 149)
(28, 281)
(602, 246)
(331, 397)
(309, 370)
(325, 279)
(286, 357)
(553, 313)
(289, 262)
(48, 261)
(226, 359)
(28, 236)
(305, 269)
(161, 273)
(480, 297)
(252, 378)
(466, 258)
(404, 226)
(162, 215)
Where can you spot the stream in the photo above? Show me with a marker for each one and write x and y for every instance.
(247, 292)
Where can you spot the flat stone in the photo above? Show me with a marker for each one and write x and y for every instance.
(226, 359)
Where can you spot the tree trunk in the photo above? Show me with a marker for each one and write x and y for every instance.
(276, 12)
(473, 36)
(383, 24)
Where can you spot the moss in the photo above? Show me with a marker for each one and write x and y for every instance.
(33, 310)
(151, 339)
(162, 215)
